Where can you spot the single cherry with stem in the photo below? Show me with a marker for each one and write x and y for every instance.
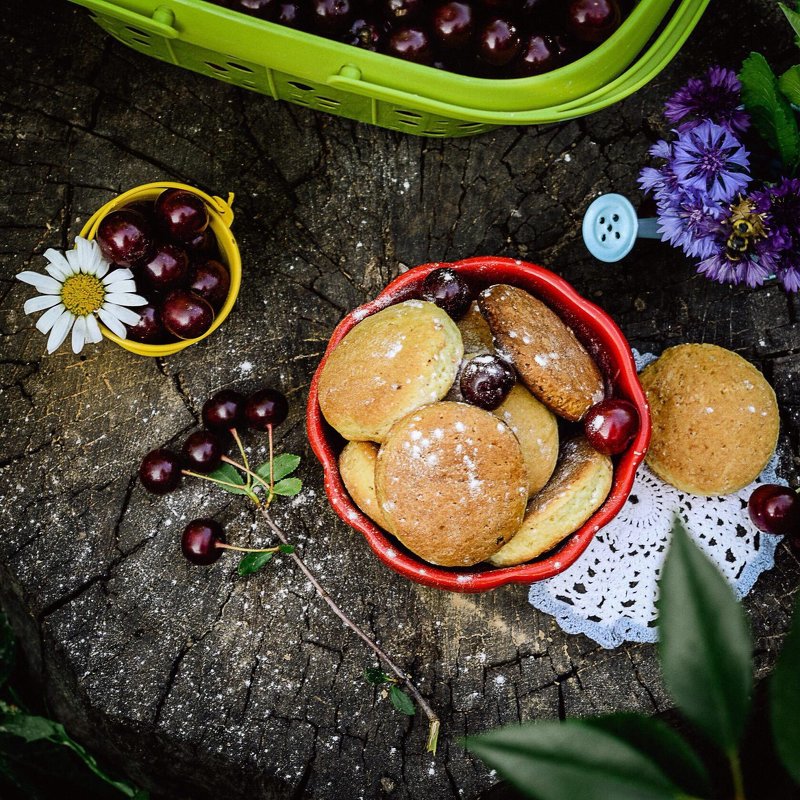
(203, 542)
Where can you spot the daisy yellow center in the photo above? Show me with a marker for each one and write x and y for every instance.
(82, 294)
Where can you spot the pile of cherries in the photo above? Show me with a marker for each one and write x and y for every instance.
(224, 413)
(174, 257)
(485, 381)
(484, 38)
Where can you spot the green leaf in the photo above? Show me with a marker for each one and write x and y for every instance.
(571, 761)
(784, 692)
(253, 562)
(789, 84)
(401, 701)
(287, 549)
(793, 17)
(288, 487)
(32, 728)
(6, 650)
(376, 676)
(666, 748)
(229, 474)
(770, 111)
(282, 465)
(705, 645)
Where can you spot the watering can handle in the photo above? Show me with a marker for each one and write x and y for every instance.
(161, 23)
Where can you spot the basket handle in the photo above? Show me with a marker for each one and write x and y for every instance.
(161, 23)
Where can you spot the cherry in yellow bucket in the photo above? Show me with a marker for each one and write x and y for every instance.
(220, 220)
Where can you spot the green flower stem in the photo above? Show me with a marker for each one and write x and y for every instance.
(736, 774)
(433, 720)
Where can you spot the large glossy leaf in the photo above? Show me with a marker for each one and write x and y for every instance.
(666, 748)
(789, 84)
(785, 700)
(705, 643)
(571, 761)
(794, 19)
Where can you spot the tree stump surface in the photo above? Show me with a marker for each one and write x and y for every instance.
(199, 683)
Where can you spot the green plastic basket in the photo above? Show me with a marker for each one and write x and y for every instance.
(370, 87)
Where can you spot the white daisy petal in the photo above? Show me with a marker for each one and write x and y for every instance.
(93, 332)
(85, 255)
(47, 320)
(102, 265)
(43, 283)
(57, 266)
(125, 315)
(78, 334)
(60, 330)
(112, 323)
(124, 299)
(40, 303)
(117, 275)
(74, 260)
(122, 286)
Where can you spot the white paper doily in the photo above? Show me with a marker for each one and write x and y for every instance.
(609, 594)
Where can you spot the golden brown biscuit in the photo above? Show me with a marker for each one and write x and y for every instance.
(550, 360)
(452, 484)
(579, 486)
(357, 468)
(389, 364)
(715, 419)
(537, 431)
(475, 332)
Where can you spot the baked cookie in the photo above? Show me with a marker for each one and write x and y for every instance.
(715, 419)
(475, 332)
(452, 483)
(537, 431)
(388, 365)
(550, 360)
(357, 468)
(580, 484)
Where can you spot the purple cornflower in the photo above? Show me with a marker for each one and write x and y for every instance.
(687, 221)
(782, 204)
(715, 96)
(710, 159)
(660, 181)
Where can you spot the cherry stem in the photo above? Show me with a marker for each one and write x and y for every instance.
(271, 471)
(251, 474)
(211, 480)
(433, 719)
(239, 444)
(223, 546)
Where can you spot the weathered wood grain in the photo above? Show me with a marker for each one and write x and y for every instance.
(202, 684)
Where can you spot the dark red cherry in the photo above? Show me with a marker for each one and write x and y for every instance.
(486, 380)
(331, 17)
(366, 34)
(203, 246)
(186, 315)
(148, 330)
(411, 44)
(200, 539)
(448, 290)
(403, 11)
(454, 25)
(498, 42)
(202, 451)
(125, 237)
(264, 408)
(224, 410)
(160, 471)
(593, 21)
(167, 268)
(775, 509)
(183, 216)
(211, 281)
(611, 425)
(540, 53)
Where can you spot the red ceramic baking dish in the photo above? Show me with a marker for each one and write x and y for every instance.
(599, 334)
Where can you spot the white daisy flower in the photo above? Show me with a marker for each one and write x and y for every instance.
(77, 289)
